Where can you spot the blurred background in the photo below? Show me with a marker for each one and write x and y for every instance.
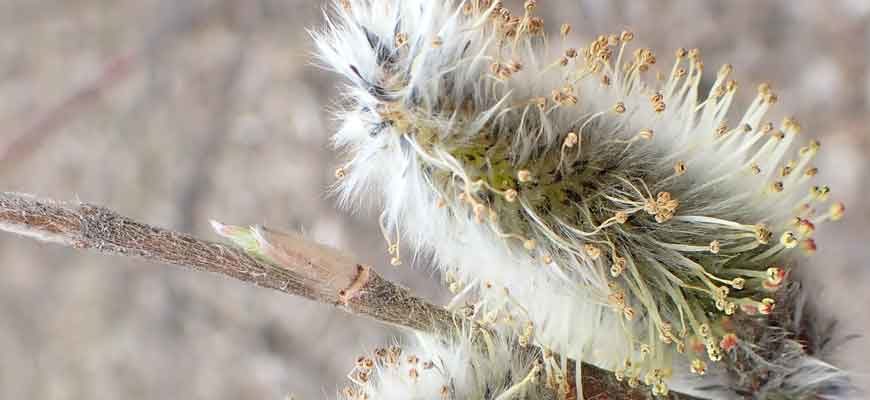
(174, 112)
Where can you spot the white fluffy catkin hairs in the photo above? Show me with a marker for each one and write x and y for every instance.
(431, 368)
(595, 204)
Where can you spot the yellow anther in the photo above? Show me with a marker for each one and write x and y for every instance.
(788, 239)
(699, 367)
(570, 140)
(660, 389)
(618, 267)
(680, 168)
(592, 251)
(530, 244)
(340, 173)
(721, 130)
(762, 234)
(524, 175)
(755, 169)
(715, 246)
(646, 134)
(731, 85)
(791, 125)
(821, 192)
(776, 187)
(837, 211)
(530, 5)
(621, 217)
(401, 39)
(510, 195)
(619, 108)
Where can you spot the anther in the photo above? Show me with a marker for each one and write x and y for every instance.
(340, 173)
(699, 367)
(837, 211)
(592, 251)
(570, 140)
(715, 246)
(755, 169)
(728, 342)
(788, 240)
(621, 217)
(530, 244)
(646, 134)
(524, 175)
(680, 168)
(762, 234)
(530, 5)
(806, 228)
(767, 306)
(401, 39)
(808, 246)
(791, 125)
(628, 313)
(821, 192)
(619, 108)
(776, 187)
(618, 267)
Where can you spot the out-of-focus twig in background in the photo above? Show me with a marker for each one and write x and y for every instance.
(177, 111)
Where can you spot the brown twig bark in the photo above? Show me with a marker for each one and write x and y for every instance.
(298, 267)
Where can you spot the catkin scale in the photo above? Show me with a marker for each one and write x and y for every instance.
(619, 214)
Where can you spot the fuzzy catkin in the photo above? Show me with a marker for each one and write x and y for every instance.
(432, 368)
(589, 199)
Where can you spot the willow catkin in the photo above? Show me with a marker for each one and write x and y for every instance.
(590, 199)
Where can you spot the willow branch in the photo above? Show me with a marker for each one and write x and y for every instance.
(295, 266)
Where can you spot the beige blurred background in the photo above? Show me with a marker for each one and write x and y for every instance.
(175, 112)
